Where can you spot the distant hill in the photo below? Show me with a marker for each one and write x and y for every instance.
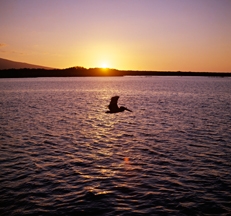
(8, 64)
(83, 72)
(12, 69)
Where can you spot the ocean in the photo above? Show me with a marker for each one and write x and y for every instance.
(61, 154)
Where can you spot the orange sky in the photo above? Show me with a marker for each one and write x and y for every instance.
(138, 35)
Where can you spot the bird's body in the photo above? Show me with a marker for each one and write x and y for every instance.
(113, 107)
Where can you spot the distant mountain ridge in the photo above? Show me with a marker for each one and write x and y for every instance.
(12, 69)
(8, 64)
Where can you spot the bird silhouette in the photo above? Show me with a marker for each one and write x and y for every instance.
(113, 107)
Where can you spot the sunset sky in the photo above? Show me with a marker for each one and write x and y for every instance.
(175, 35)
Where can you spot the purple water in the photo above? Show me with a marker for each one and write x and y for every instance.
(61, 154)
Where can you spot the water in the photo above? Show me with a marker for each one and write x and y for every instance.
(61, 154)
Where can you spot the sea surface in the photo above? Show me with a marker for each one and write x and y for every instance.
(61, 154)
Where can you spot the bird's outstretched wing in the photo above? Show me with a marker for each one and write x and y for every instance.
(113, 104)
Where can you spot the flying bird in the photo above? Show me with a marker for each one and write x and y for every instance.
(113, 107)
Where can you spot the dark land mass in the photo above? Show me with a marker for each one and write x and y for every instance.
(8, 64)
(83, 72)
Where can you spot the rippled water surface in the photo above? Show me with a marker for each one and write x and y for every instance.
(61, 154)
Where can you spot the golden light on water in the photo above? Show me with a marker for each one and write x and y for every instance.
(126, 160)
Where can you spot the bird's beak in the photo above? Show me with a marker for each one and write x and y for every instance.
(128, 110)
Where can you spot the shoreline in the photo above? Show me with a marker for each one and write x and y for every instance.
(99, 72)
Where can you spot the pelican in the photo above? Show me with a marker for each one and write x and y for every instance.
(113, 107)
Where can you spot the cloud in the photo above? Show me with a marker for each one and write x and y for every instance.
(9, 50)
(17, 52)
(3, 44)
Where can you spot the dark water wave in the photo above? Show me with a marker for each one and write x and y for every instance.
(62, 155)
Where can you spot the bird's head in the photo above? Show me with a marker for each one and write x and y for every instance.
(124, 108)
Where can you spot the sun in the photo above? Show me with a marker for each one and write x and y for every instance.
(104, 65)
